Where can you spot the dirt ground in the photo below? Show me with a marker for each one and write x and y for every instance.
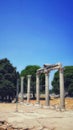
(68, 102)
(30, 117)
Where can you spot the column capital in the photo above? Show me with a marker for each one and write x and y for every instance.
(38, 73)
(22, 77)
(61, 70)
(46, 72)
(28, 76)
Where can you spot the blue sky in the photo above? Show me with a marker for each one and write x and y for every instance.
(36, 32)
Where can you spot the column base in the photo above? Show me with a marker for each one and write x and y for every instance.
(52, 107)
(59, 108)
(21, 102)
(28, 104)
(38, 105)
(62, 107)
(46, 107)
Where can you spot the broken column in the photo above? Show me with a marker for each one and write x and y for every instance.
(28, 88)
(62, 98)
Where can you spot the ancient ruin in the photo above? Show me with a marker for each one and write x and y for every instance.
(33, 117)
(46, 70)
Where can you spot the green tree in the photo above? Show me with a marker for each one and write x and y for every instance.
(68, 80)
(8, 78)
(31, 70)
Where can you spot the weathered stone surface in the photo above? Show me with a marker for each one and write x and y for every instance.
(3, 127)
(10, 128)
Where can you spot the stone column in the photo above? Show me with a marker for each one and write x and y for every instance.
(17, 89)
(46, 89)
(37, 89)
(62, 99)
(22, 91)
(28, 88)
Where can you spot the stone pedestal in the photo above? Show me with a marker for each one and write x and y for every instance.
(62, 98)
(28, 88)
(22, 84)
